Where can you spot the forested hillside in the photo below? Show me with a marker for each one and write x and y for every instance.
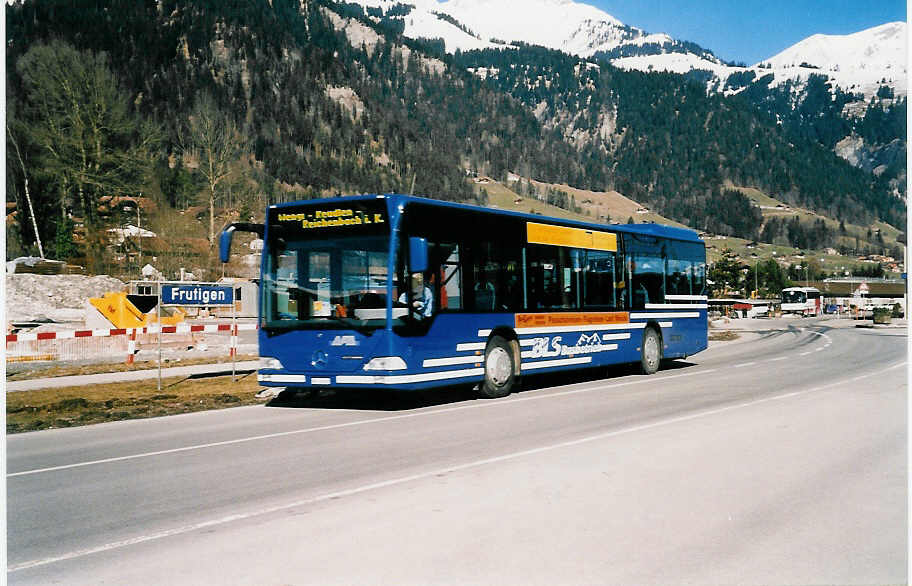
(872, 133)
(669, 144)
(219, 107)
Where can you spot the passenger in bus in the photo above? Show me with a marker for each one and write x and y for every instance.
(513, 295)
(484, 293)
(423, 297)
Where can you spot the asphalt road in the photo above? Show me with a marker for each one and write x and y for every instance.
(782, 460)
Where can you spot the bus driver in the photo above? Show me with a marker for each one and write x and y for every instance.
(423, 297)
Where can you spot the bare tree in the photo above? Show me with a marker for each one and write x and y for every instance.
(214, 140)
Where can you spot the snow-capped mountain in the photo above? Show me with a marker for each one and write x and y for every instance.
(860, 62)
(857, 63)
(571, 27)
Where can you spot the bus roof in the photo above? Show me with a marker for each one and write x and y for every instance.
(657, 230)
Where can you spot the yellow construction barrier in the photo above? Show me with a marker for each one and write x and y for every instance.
(122, 313)
(170, 320)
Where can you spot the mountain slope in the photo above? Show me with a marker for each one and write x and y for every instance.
(852, 69)
(333, 100)
(669, 144)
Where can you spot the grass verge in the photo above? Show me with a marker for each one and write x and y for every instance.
(47, 371)
(74, 406)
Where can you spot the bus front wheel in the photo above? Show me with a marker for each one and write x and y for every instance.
(650, 352)
(499, 370)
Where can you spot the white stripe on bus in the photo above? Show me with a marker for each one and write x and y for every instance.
(605, 348)
(406, 378)
(553, 363)
(579, 328)
(470, 346)
(676, 306)
(662, 315)
(622, 336)
(431, 362)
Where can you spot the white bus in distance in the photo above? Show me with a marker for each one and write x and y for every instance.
(804, 301)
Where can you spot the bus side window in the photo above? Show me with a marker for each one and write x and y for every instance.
(648, 280)
(601, 289)
(451, 291)
(554, 279)
(494, 272)
(678, 277)
(699, 278)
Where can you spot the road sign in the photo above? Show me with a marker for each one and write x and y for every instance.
(198, 295)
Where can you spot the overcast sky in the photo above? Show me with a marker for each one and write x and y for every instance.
(751, 30)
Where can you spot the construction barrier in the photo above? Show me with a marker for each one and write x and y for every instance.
(127, 311)
(125, 342)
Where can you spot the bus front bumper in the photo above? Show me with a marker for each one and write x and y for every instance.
(362, 379)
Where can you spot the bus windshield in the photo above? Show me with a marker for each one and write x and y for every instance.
(317, 284)
(794, 297)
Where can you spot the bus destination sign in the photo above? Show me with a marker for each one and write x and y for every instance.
(344, 217)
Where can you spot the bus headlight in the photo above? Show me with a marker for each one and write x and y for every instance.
(386, 363)
(268, 363)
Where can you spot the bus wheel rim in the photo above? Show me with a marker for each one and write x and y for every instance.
(498, 367)
(651, 351)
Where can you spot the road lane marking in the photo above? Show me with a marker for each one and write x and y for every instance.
(114, 545)
(525, 396)
(743, 364)
(521, 397)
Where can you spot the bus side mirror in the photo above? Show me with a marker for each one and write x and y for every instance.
(418, 254)
(228, 232)
(225, 243)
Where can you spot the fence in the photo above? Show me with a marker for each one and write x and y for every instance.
(73, 345)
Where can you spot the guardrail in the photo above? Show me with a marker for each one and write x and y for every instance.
(87, 344)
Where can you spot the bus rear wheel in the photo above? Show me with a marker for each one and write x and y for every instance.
(650, 352)
(499, 369)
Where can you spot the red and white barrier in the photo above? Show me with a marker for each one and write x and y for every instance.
(52, 345)
(179, 329)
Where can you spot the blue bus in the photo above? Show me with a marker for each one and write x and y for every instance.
(404, 292)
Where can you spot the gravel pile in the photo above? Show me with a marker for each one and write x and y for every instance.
(54, 298)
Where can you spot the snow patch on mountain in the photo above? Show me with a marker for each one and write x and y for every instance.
(857, 63)
(673, 63)
(551, 23)
(860, 62)
(564, 25)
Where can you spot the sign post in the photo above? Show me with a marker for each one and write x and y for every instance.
(234, 344)
(199, 295)
(158, 323)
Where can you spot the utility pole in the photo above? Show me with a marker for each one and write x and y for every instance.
(139, 225)
(757, 277)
